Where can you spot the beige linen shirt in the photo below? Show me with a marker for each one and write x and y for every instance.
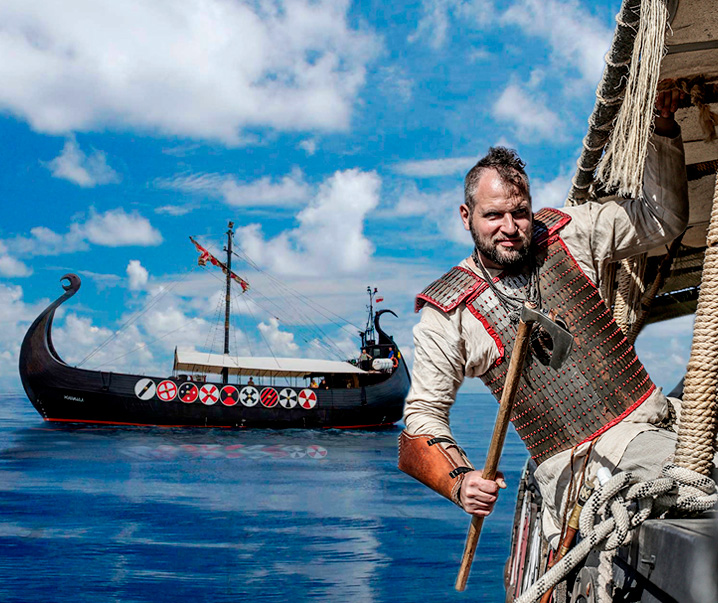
(450, 346)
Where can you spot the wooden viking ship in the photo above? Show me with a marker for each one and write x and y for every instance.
(218, 390)
(673, 558)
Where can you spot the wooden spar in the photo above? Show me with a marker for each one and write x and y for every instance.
(497, 443)
(227, 298)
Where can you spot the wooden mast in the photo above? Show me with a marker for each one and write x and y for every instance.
(228, 249)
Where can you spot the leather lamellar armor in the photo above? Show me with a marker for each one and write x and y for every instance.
(600, 383)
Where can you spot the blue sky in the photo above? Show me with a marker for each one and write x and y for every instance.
(334, 134)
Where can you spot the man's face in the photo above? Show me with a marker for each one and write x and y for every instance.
(500, 223)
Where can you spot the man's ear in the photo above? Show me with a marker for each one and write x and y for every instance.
(465, 215)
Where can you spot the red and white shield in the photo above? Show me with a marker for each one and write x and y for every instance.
(307, 399)
(167, 390)
(268, 397)
(208, 394)
(188, 392)
(316, 452)
(229, 395)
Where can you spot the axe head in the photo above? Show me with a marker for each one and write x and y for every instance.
(561, 338)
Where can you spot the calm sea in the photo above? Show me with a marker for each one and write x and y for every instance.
(154, 514)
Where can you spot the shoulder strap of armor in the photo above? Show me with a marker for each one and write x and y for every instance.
(450, 290)
(547, 222)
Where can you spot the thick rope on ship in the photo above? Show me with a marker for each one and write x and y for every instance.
(697, 429)
(618, 506)
(609, 97)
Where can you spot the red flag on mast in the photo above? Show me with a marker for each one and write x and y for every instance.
(205, 256)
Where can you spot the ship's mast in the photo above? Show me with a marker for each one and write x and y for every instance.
(227, 298)
(368, 337)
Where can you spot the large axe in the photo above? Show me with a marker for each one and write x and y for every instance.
(562, 341)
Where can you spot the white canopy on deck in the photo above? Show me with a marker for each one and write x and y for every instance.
(201, 362)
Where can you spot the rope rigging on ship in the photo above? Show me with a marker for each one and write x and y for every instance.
(281, 304)
(217, 387)
(609, 512)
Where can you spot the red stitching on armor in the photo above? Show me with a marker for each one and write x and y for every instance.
(425, 297)
(557, 423)
(624, 414)
(547, 212)
(488, 327)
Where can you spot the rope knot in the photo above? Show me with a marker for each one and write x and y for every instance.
(695, 492)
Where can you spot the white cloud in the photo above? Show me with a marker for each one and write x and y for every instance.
(576, 37)
(395, 84)
(289, 190)
(204, 69)
(439, 210)
(280, 342)
(436, 19)
(330, 236)
(16, 315)
(102, 280)
(174, 210)
(78, 340)
(137, 275)
(116, 228)
(12, 267)
(113, 228)
(86, 171)
(431, 168)
(664, 348)
(309, 145)
(552, 193)
(531, 118)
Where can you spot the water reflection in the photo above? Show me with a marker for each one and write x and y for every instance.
(146, 514)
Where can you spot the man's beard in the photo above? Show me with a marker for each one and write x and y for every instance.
(506, 258)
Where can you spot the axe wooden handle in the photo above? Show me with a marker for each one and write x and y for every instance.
(508, 396)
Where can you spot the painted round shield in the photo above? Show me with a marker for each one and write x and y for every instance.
(167, 390)
(249, 396)
(229, 395)
(316, 452)
(145, 389)
(296, 452)
(208, 394)
(188, 392)
(288, 398)
(268, 397)
(307, 399)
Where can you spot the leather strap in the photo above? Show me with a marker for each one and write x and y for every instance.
(436, 462)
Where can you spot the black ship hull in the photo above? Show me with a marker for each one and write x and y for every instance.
(60, 392)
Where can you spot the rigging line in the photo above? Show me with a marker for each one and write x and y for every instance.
(144, 345)
(271, 351)
(215, 327)
(303, 318)
(304, 321)
(136, 316)
(234, 331)
(309, 302)
(322, 338)
(246, 334)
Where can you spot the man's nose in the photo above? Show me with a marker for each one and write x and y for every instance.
(508, 225)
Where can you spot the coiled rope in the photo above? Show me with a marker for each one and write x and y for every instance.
(618, 507)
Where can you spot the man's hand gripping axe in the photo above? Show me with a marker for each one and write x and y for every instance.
(562, 341)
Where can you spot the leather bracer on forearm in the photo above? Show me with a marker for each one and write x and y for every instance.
(435, 461)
